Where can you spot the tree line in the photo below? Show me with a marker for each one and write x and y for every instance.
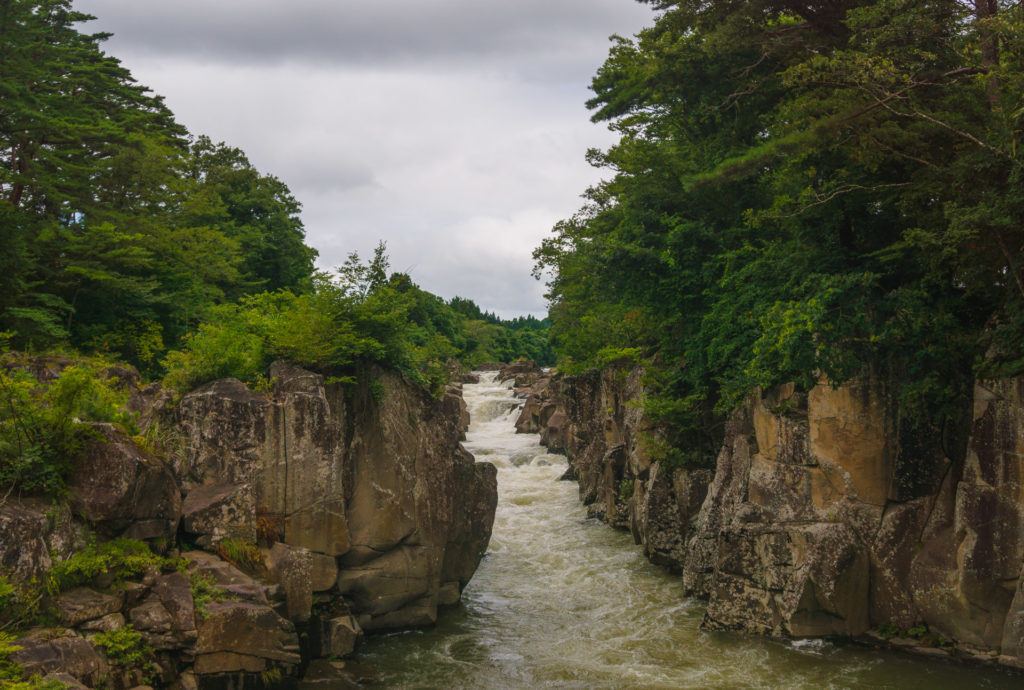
(126, 236)
(803, 190)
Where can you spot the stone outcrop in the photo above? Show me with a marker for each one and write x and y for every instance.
(347, 508)
(803, 528)
(370, 482)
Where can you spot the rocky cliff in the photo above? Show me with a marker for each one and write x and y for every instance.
(291, 521)
(804, 527)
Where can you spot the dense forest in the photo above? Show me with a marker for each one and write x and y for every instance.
(803, 190)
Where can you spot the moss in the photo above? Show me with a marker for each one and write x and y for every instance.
(626, 488)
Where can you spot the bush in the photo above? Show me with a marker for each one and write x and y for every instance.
(205, 591)
(45, 427)
(124, 647)
(123, 558)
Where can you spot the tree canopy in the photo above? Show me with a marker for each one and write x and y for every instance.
(803, 190)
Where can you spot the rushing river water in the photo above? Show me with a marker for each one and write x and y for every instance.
(561, 601)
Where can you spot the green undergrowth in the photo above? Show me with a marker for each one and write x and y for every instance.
(124, 559)
(241, 553)
(46, 427)
(124, 648)
(205, 591)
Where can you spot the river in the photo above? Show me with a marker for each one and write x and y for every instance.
(561, 601)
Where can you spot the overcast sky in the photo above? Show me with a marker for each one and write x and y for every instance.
(454, 130)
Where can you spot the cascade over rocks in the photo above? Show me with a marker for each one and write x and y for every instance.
(350, 509)
(802, 529)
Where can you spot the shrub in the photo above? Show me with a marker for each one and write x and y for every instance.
(124, 558)
(205, 591)
(45, 427)
(124, 647)
(240, 552)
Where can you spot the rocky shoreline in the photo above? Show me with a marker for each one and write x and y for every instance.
(802, 528)
(258, 544)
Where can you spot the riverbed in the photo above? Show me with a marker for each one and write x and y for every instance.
(561, 601)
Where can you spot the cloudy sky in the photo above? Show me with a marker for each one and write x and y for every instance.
(454, 130)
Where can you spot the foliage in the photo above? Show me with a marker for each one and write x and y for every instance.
(244, 554)
(356, 316)
(800, 191)
(124, 647)
(205, 591)
(122, 558)
(45, 427)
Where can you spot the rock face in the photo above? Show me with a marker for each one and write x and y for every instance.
(803, 529)
(341, 509)
(373, 479)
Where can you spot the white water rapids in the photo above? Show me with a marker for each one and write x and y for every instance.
(561, 601)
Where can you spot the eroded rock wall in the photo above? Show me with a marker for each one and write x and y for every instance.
(802, 528)
(346, 509)
(371, 478)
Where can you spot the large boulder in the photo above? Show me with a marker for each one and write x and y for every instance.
(81, 605)
(32, 533)
(46, 652)
(123, 491)
(242, 637)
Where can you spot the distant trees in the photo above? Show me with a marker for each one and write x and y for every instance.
(803, 189)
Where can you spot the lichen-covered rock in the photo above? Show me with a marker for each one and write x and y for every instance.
(45, 652)
(808, 527)
(966, 578)
(32, 533)
(123, 491)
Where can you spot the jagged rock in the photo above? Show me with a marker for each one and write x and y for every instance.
(166, 618)
(123, 491)
(241, 637)
(966, 579)
(293, 570)
(339, 636)
(226, 576)
(662, 512)
(108, 623)
(80, 605)
(282, 453)
(219, 511)
(23, 550)
(44, 652)
(523, 373)
(420, 511)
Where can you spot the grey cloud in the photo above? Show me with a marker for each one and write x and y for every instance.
(454, 130)
(347, 31)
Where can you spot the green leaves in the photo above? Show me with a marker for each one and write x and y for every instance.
(798, 192)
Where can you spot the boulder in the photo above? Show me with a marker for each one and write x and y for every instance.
(80, 605)
(219, 511)
(241, 637)
(123, 491)
(226, 576)
(46, 652)
(166, 618)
